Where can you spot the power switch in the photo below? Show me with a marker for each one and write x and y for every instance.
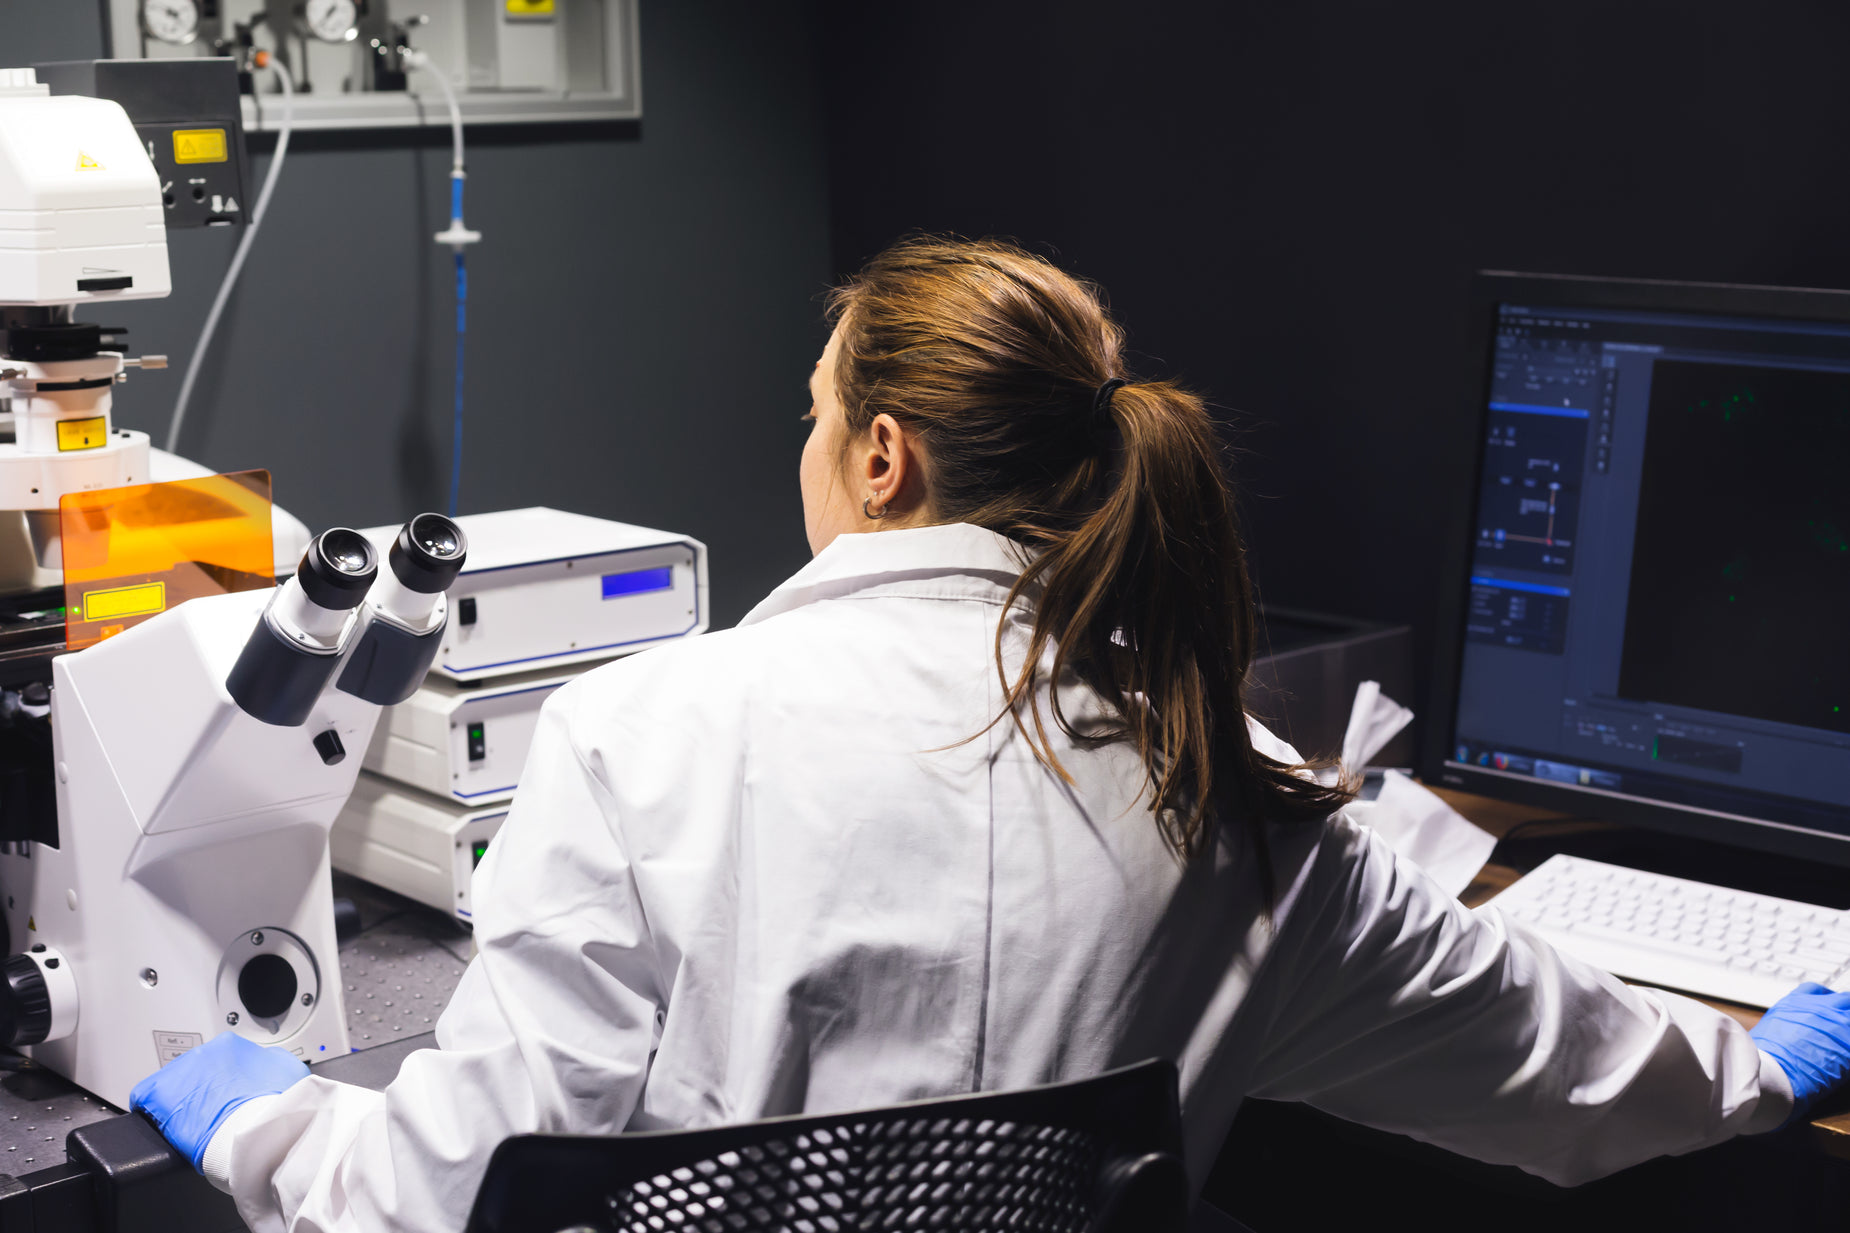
(465, 610)
(478, 743)
(327, 744)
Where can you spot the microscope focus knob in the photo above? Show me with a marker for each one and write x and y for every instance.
(25, 1002)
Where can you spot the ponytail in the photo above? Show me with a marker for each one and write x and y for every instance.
(1009, 371)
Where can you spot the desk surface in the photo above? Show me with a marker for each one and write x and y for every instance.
(1831, 1133)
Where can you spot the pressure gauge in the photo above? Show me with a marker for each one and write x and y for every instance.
(171, 21)
(331, 21)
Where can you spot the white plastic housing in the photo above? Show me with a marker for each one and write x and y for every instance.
(415, 610)
(426, 741)
(299, 617)
(535, 580)
(184, 826)
(79, 200)
(417, 845)
(36, 481)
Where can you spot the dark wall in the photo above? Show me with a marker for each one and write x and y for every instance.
(1286, 203)
(642, 310)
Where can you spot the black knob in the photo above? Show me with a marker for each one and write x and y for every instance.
(54, 340)
(338, 569)
(428, 554)
(35, 693)
(25, 1004)
(327, 744)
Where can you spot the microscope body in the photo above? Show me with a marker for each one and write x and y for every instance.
(189, 894)
(200, 759)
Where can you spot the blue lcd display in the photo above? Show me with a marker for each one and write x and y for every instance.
(638, 582)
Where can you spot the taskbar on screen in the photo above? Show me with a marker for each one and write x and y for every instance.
(1655, 788)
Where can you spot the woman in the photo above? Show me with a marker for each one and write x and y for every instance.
(969, 803)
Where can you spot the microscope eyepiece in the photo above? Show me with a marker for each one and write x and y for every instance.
(338, 569)
(428, 554)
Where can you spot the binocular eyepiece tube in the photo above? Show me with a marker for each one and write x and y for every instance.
(335, 575)
(420, 566)
(406, 613)
(306, 632)
(293, 651)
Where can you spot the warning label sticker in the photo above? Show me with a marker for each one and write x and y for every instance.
(200, 145)
(142, 599)
(86, 163)
(85, 434)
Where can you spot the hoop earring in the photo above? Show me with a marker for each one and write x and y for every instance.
(869, 513)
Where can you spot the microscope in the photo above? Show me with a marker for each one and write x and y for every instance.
(166, 791)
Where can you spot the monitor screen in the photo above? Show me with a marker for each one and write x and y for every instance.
(1656, 606)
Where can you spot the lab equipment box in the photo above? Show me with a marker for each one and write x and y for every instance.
(545, 589)
(421, 846)
(466, 744)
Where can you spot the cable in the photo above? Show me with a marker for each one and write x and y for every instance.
(456, 419)
(458, 237)
(237, 258)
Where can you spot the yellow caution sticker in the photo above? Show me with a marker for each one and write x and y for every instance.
(529, 8)
(86, 163)
(200, 145)
(85, 434)
(142, 599)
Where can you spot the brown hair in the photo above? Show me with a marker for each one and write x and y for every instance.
(995, 359)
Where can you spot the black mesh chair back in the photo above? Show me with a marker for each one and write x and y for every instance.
(1099, 1155)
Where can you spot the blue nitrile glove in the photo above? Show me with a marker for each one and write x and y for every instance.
(192, 1095)
(1808, 1033)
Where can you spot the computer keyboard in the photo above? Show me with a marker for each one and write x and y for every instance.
(1692, 936)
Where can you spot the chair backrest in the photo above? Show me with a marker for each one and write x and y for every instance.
(1099, 1155)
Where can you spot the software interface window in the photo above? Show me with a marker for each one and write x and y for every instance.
(1661, 573)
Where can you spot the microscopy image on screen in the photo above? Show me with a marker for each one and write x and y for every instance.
(1740, 587)
(1529, 505)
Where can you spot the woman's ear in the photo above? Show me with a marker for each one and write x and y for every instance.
(890, 471)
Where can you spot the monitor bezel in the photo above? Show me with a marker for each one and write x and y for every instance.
(1489, 289)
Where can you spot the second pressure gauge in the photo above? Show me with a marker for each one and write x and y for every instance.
(171, 21)
(331, 21)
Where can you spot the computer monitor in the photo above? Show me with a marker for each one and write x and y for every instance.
(1649, 618)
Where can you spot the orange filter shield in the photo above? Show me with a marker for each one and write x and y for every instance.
(132, 553)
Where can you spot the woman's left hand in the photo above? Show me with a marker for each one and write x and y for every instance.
(191, 1096)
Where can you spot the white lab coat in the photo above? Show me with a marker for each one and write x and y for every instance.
(769, 871)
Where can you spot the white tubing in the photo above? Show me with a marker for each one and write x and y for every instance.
(237, 258)
(417, 59)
